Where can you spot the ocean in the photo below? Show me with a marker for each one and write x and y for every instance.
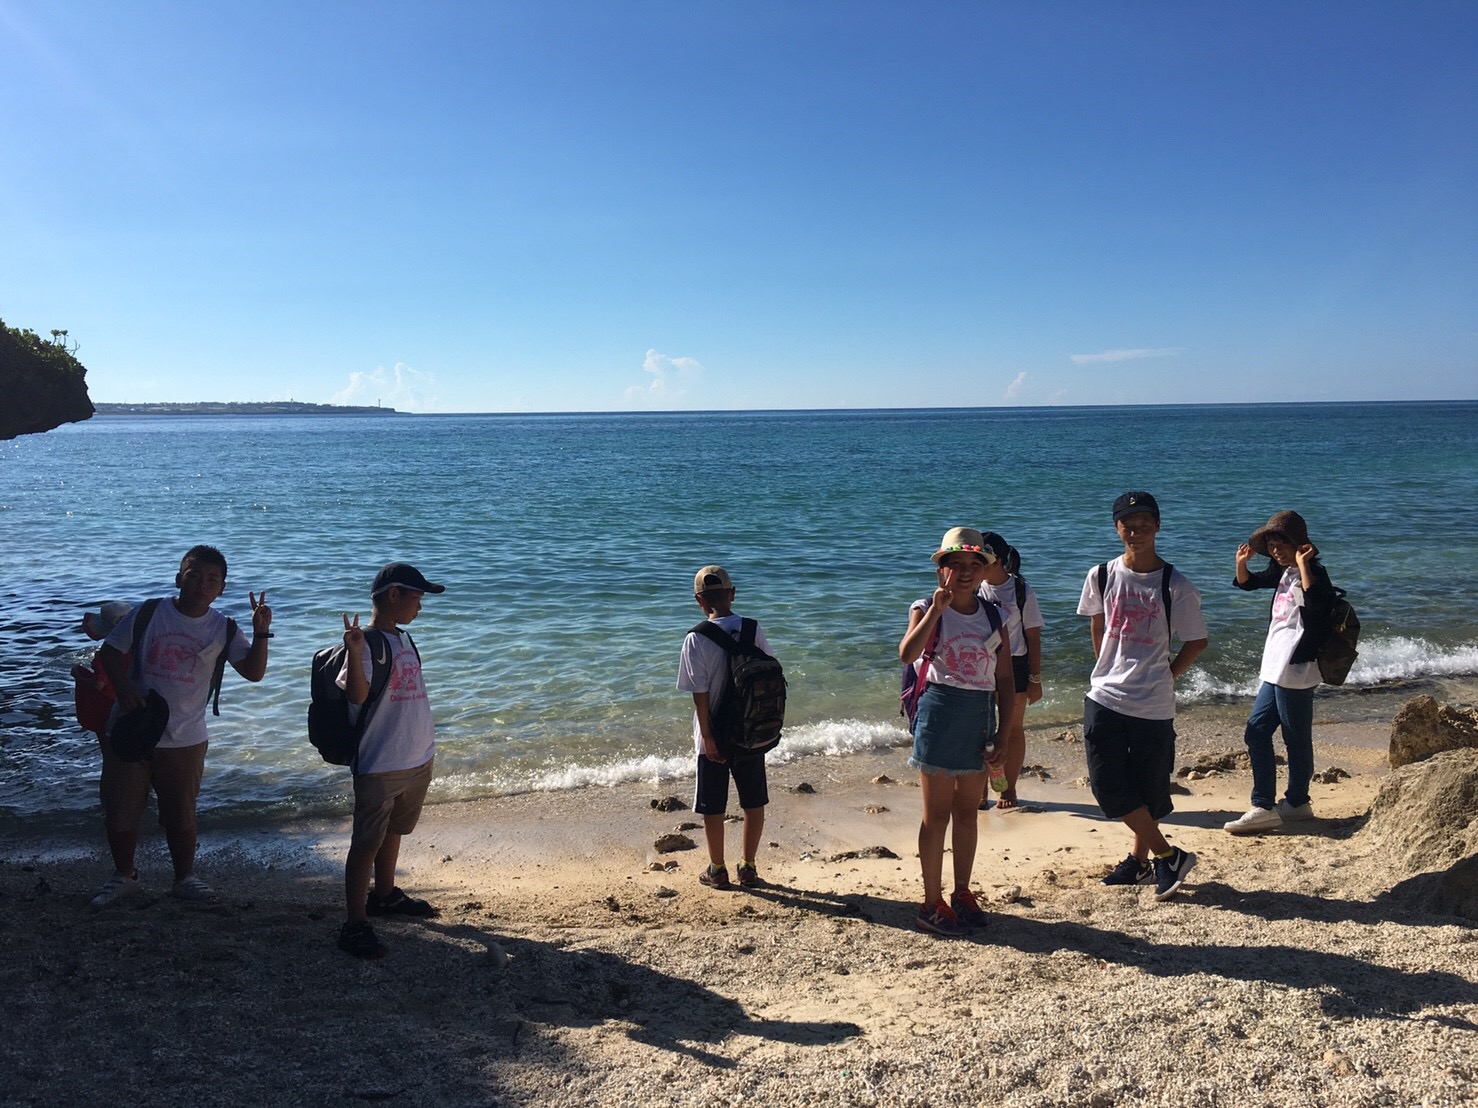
(568, 544)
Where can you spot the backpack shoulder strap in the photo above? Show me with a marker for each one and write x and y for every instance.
(1021, 599)
(379, 648)
(993, 613)
(1102, 578)
(219, 674)
(1165, 597)
(717, 635)
(140, 625)
(748, 629)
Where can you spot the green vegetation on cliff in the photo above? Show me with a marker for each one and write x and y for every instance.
(43, 383)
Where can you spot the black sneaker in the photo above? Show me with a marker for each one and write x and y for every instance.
(1131, 871)
(1170, 873)
(359, 940)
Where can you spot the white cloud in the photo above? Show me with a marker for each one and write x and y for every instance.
(1013, 390)
(403, 388)
(1128, 355)
(670, 378)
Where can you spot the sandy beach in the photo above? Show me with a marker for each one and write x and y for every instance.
(575, 964)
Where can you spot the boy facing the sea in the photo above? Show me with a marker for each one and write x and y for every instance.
(703, 671)
(1136, 604)
(174, 660)
(392, 769)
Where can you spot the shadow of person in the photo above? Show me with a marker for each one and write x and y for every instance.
(1347, 985)
(545, 984)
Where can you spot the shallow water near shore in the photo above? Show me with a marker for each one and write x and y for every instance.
(568, 544)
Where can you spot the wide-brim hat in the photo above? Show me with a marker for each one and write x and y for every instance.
(135, 734)
(964, 540)
(1290, 525)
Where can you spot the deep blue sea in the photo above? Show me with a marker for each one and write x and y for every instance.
(568, 545)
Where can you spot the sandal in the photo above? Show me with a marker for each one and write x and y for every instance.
(1007, 800)
(358, 938)
(396, 903)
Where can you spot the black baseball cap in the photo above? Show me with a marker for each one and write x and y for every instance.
(1136, 501)
(405, 576)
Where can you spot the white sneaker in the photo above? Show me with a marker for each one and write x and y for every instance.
(117, 888)
(1253, 821)
(195, 891)
(1291, 814)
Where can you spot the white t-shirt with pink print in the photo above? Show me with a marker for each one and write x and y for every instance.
(401, 734)
(1285, 629)
(965, 655)
(1132, 675)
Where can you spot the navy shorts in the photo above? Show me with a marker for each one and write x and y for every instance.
(1130, 761)
(1021, 669)
(711, 796)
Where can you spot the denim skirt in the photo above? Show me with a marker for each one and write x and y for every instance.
(952, 730)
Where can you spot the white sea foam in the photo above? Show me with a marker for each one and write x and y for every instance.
(1381, 660)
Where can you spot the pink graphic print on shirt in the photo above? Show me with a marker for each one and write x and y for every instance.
(1133, 618)
(1285, 603)
(173, 657)
(405, 680)
(965, 656)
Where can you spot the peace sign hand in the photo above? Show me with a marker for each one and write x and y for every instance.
(353, 635)
(261, 615)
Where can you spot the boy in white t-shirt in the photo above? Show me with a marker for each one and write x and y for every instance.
(1129, 713)
(392, 768)
(703, 671)
(176, 659)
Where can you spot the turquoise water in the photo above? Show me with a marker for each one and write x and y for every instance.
(568, 545)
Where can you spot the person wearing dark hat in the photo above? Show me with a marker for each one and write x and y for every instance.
(156, 739)
(1299, 620)
(1137, 605)
(392, 769)
(1007, 589)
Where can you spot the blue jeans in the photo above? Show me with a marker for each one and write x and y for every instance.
(1293, 710)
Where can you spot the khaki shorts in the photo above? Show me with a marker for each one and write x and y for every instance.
(387, 803)
(173, 773)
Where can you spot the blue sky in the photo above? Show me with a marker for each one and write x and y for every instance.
(553, 206)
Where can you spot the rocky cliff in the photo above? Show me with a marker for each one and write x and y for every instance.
(41, 384)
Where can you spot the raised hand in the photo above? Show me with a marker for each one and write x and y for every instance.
(261, 615)
(353, 635)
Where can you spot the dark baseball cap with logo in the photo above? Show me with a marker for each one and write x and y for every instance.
(402, 575)
(1130, 503)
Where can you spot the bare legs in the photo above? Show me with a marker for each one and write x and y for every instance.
(948, 801)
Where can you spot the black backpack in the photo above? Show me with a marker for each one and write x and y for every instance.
(748, 717)
(1338, 653)
(329, 726)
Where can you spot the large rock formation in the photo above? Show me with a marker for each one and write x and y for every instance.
(43, 385)
(1424, 822)
(1423, 727)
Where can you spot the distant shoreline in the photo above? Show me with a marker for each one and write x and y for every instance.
(268, 408)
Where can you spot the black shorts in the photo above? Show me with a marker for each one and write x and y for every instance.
(1021, 668)
(711, 796)
(1130, 761)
